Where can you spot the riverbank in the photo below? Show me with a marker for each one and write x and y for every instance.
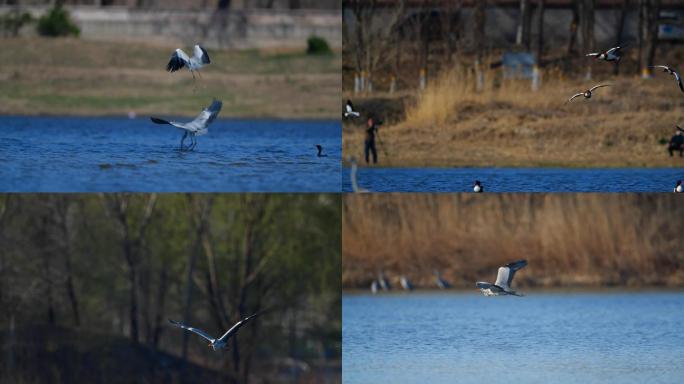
(71, 77)
(448, 125)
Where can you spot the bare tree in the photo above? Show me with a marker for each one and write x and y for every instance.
(119, 206)
(522, 37)
(648, 42)
(540, 31)
(587, 23)
(574, 25)
(619, 30)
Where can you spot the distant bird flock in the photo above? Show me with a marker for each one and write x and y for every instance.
(610, 55)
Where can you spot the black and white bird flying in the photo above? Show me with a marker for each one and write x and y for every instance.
(197, 127)
(320, 151)
(672, 72)
(612, 54)
(180, 59)
(588, 93)
(221, 342)
(349, 110)
(504, 278)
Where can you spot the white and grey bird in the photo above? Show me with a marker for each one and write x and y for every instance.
(406, 283)
(352, 176)
(374, 287)
(441, 283)
(679, 188)
(349, 110)
(320, 151)
(180, 59)
(478, 187)
(672, 72)
(197, 127)
(612, 54)
(588, 93)
(221, 342)
(384, 282)
(504, 278)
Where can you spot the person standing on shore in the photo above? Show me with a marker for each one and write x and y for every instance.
(369, 144)
(676, 143)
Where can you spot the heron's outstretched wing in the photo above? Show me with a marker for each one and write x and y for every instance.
(599, 86)
(679, 80)
(593, 54)
(191, 329)
(505, 276)
(664, 67)
(179, 59)
(483, 285)
(159, 121)
(232, 331)
(575, 95)
(206, 117)
(614, 50)
(201, 54)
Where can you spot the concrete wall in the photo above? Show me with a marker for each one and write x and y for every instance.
(256, 28)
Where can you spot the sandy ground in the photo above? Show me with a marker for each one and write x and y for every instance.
(74, 77)
(626, 125)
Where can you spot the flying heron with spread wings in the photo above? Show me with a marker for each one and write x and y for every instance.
(180, 59)
(588, 93)
(221, 342)
(504, 278)
(197, 127)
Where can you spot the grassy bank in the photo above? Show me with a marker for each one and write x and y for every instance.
(508, 125)
(585, 240)
(76, 77)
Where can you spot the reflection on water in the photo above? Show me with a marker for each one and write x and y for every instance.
(45, 154)
(516, 179)
(540, 338)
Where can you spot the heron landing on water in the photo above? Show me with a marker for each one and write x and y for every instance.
(504, 278)
(180, 59)
(197, 127)
(216, 343)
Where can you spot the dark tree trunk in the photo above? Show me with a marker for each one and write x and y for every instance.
(619, 29)
(588, 42)
(480, 21)
(650, 10)
(574, 24)
(160, 301)
(522, 37)
(540, 31)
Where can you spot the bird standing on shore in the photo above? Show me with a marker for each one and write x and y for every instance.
(197, 127)
(672, 72)
(180, 59)
(612, 54)
(504, 278)
(587, 94)
(221, 342)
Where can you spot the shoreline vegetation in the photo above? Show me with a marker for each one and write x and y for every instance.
(570, 241)
(72, 77)
(507, 125)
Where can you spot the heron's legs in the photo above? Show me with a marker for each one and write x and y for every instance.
(183, 139)
(194, 142)
(199, 74)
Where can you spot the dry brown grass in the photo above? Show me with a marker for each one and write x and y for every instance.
(569, 240)
(79, 77)
(507, 124)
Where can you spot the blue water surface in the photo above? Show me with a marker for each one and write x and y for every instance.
(75, 154)
(516, 179)
(561, 338)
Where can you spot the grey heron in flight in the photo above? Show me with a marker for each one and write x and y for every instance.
(672, 72)
(612, 54)
(197, 127)
(349, 110)
(221, 342)
(180, 59)
(504, 278)
(588, 93)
